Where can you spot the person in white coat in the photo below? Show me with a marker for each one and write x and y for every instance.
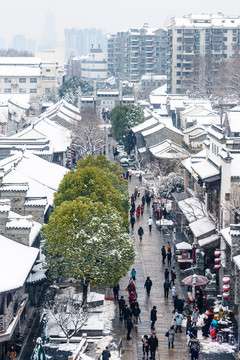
(150, 223)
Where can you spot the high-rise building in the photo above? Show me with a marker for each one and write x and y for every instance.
(79, 41)
(49, 38)
(195, 38)
(94, 66)
(137, 52)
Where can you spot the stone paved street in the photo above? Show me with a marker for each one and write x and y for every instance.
(148, 263)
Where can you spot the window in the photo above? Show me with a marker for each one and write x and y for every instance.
(227, 196)
(178, 64)
(234, 39)
(224, 39)
(179, 31)
(7, 80)
(22, 91)
(33, 91)
(179, 48)
(178, 82)
(22, 80)
(33, 80)
(48, 70)
(7, 91)
(178, 73)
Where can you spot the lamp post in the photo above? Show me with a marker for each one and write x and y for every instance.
(194, 281)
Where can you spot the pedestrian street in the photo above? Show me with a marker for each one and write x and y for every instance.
(148, 262)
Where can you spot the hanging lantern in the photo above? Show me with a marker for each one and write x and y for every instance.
(217, 253)
(226, 295)
(217, 260)
(226, 280)
(226, 287)
(217, 267)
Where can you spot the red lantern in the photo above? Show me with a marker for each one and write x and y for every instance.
(217, 253)
(226, 287)
(226, 280)
(226, 295)
(217, 260)
(217, 267)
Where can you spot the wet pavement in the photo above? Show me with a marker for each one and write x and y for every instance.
(148, 262)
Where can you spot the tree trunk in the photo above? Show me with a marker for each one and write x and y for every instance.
(84, 299)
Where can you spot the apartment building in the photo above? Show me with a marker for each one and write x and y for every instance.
(94, 66)
(199, 36)
(28, 75)
(137, 52)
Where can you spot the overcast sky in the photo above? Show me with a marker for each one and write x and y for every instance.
(26, 17)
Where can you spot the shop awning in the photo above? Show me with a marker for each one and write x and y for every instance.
(208, 240)
(202, 226)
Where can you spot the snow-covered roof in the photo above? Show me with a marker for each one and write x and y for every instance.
(62, 110)
(14, 187)
(183, 246)
(168, 150)
(21, 60)
(205, 169)
(202, 226)
(146, 124)
(19, 71)
(236, 260)
(208, 240)
(35, 202)
(192, 208)
(162, 90)
(234, 121)
(153, 130)
(42, 177)
(16, 263)
(226, 235)
(235, 169)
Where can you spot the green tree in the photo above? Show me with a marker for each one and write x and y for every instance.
(113, 172)
(69, 89)
(87, 240)
(93, 183)
(123, 118)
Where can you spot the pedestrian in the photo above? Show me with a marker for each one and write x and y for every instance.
(148, 285)
(133, 207)
(194, 352)
(106, 353)
(133, 274)
(145, 346)
(168, 247)
(171, 337)
(163, 250)
(166, 274)
(153, 317)
(135, 192)
(179, 319)
(140, 178)
(189, 322)
(129, 327)
(131, 287)
(192, 331)
(200, 301)
(142, 209)
(116, 291)
(12, 353)
(121, 305)
(132, 199)
(133, 304)
(195, 316)
(143, 200)
(148, 200)
(174, 293)
(136, 312)
(166, 286)
(173, 275)
(137, 213)
(150, 223)
(140, 233)
(153, 345)
(132, 220)
(126, 314)
(138, 194)
(130, 174)
(127, 174)
(131, 298)
(169, 258)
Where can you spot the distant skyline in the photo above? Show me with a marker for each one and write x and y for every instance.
(27, 17)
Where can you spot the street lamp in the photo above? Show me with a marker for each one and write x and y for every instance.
(194, 281)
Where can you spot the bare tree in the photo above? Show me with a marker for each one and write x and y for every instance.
(63, 308)
(88, 137)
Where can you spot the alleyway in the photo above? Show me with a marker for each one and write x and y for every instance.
(148, 263)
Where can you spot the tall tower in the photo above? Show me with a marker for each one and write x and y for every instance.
(49, 38)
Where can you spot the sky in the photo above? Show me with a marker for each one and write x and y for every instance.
(26, 17)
